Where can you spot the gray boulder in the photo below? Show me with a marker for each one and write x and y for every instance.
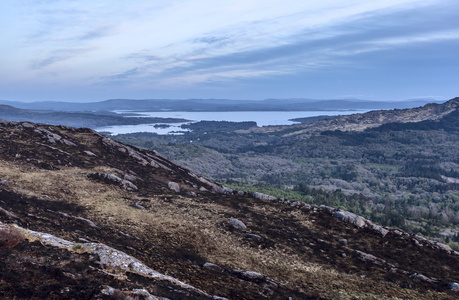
(454, 286)
(264, 196)
(343, 241)
(251, 275)
(237, 224)
(351, 218)
(213, 267)
(174, 186)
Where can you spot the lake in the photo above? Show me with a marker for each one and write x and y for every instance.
(263, 118)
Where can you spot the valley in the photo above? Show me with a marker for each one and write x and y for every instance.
(399, 174)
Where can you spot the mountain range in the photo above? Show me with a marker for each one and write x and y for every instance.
(153, 105)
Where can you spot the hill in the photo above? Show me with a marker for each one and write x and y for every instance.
(360, 122)
(86, 217)
(77, 119)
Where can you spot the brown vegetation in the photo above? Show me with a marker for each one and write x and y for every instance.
(9, 237)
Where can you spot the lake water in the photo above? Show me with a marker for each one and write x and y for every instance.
(263, 118)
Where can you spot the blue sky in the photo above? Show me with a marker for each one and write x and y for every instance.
(90, 50)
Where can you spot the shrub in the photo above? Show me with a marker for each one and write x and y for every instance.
(9, 238)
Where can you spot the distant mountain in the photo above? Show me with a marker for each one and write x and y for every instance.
(219, 105)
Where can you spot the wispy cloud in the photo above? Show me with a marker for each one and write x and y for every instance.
(59, 56)
(97, 33)
(221, 57)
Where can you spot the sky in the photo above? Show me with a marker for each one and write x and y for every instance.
(92, 50)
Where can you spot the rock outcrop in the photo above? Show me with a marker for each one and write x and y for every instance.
(111, 259)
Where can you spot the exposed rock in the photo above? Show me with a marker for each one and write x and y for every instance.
(213, 267)
(110, 258)
(454, 286)
(10, 215)
(89, 222)
(111, 178)
(227, 190)
(131, 177)
(423, 278)
(443, 247)
(351, 218)
(144, 159)
(48, 135)
(295, 204)
(89, 153)
(252, 236)
(220, 189)
(328, 209)
(218, 298)
(127, 185)
(108, 291)
(174, 186)
(137, 206)
(237, 224)
(144, 293)
(27, 125)
(264, 196)
(371, 258)
(379, 229)
(397, 232)
(4, 183)
(343, 241)
(251, 275)
(306, 207)
(68, 143)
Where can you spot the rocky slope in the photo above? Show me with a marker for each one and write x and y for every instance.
(85, 217)
(360, 122)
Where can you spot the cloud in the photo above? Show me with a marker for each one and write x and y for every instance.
(123, 76)
(143, 56)
(59, 56)
(211, 39)
(96, 33)
(309, 49)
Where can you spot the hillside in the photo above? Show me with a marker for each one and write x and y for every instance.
(86, 217)
(360, 122)
(77, 119)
